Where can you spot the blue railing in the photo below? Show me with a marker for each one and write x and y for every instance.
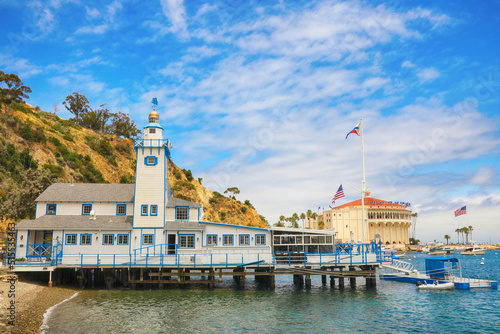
(151, 143)
(169, 255)
(39, 250)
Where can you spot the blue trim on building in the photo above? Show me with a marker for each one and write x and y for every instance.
(83, 211)
(248, 240)
(187, 213)
(112, 239)
(66, 238)
(124, 211)
(144, 212)
(144, 236)
(186, 235)
(155, 213)
(239, 226)
(81, 237)
(47, 209)
(224, 241)
(260, 235)
(147, 163)
(216, 239)
(118, 239)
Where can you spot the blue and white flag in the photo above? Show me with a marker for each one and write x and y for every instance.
(154, 101)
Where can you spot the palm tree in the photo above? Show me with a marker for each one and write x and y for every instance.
(470, 231)
(321, 224)
(466, 231)
(447, 237)
(458, 234)
(282, 218)
(303, 217)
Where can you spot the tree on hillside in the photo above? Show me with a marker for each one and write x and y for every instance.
(21, 202)
(232, 190)
(123, 126)
(96, 119)
(76, 104)
(447, 237)
(12, 89)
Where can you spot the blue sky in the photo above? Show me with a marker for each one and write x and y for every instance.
(260, 94)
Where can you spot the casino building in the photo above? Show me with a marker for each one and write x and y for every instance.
(388, 220)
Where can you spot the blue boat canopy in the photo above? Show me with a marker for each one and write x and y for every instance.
(437, 267)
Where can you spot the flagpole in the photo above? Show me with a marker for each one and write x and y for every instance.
(363, 181)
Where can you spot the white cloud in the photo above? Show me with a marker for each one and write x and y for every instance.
(407, 64)
(22, 67)
(428, 74)
(92, 13)
(97, 30)
(175, 12)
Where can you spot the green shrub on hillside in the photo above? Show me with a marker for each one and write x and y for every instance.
(57, 171)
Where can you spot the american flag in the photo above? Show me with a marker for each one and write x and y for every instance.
(461, 211)
(338, 194)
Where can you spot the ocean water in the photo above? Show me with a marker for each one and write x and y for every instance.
(392, 307)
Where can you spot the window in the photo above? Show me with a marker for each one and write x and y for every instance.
(181, 213)
(144, 210)
(260, 239)
(244, 239)
(122, 239)
(147, 239)
(86, 239)
(154, 210)
(86, 208)
(152, 130)
(212, 240)
(51, 209)
(186, 240)
(108, 239)
(121, 209)
(70, 239)
(228, 240)
(151, 161)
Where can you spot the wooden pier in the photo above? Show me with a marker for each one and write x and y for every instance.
(159, 278)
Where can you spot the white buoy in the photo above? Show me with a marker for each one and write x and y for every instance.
(414, 257)
(482, 263)
(482, 258)
(409, 259)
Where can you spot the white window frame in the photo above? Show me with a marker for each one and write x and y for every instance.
(211, 237)
(179, 212)
(121, 237)
(106, 239)
(186, 241)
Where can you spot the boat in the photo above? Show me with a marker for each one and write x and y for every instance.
(437, 269)
(441, 250)
(473, 250)
(436, 286)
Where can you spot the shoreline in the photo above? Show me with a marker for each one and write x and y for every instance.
(33, 299)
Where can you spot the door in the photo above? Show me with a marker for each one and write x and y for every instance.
(171, 247)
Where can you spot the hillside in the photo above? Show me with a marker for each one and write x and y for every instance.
(40, 148)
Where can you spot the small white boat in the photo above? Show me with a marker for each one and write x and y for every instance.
(441, 250)
(473, 250)
(436, 286)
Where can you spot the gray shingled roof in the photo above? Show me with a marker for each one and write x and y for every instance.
(172, 225)
(173, 202)
(88, 192)
(76, 223)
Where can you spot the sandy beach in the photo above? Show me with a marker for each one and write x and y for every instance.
(32, 300)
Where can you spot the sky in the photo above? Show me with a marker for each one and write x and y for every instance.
(260, 95)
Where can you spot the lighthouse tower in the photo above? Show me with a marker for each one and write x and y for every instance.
(151, 184)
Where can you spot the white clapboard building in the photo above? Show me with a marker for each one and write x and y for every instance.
(133, 224)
